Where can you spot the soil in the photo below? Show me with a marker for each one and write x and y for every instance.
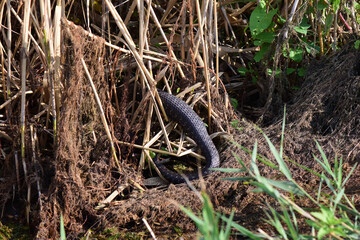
(83, 172)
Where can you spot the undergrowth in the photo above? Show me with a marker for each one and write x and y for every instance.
(333, 216)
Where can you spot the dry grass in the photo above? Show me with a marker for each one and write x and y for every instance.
(73, 73)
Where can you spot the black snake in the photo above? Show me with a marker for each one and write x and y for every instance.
(178, 111)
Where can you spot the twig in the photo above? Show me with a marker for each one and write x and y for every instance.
(149, 228)
(13, 98)
(344, 21)
(165, 38)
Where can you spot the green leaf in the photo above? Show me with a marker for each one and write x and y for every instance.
(322, 5)
(243, 231)
(198, 221)
(242, 71)
(311, 48)
(152, 154)
(228, 226)
(260, 20)
(282, 165)
(236, 124)
(238, 179)
(336, 4)
(303, 27)
(258, 42)
(319, 216)
(229, 170)
(296, 55)
(270, 71)
(323, 232)
(290, 71)
(356, 5)
(286, 186)
(357, 44)
(261, 54)
(328, 22)
(339, 196)
(266, 37)
(234, 103)
(62, 228)
(300, 30)
(301, 72)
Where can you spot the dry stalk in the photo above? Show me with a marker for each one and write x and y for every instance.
(130, 43)
(149, 228)
(35, 161)
(45, 9)
(205, 57)
(190, 152)
(37, 47)
(165, 38)
(102, 114)
(24, 52)
(9, 52)
(16, 159)
(216, 45)
(142, 42)
(13, 98)
(57, 57)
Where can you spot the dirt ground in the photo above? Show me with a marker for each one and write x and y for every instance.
(83, 173)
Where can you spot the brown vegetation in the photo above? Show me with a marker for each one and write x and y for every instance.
(79, 143)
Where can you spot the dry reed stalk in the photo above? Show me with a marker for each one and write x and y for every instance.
(168, 128)
(147, 131)
(35, 161)
(37, 47)
(123, 50)
(153, 15)
(102, 114)
(216, 45)
(48, 36)
(57, 56)
(2, 52)
(205, 57)
(24, 52)
(190, 152)
(9, 52)
(2, 5)
(7, 102)
(3, 74)
(228, 24)
(146, 135)
(16, 159)
(142, 40)
(127, 18)
(130, 43)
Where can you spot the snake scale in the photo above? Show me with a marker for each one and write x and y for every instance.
(178, 111)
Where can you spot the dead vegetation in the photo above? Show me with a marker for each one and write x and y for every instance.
(80, 120)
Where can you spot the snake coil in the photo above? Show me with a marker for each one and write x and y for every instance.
(178, 111)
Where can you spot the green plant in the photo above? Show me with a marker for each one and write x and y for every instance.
(208, 223)
(334, 216)
(62, 228)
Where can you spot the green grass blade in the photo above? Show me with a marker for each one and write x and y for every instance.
(62, 228)
(282, 165)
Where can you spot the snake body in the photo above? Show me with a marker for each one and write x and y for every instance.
(178, 111)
